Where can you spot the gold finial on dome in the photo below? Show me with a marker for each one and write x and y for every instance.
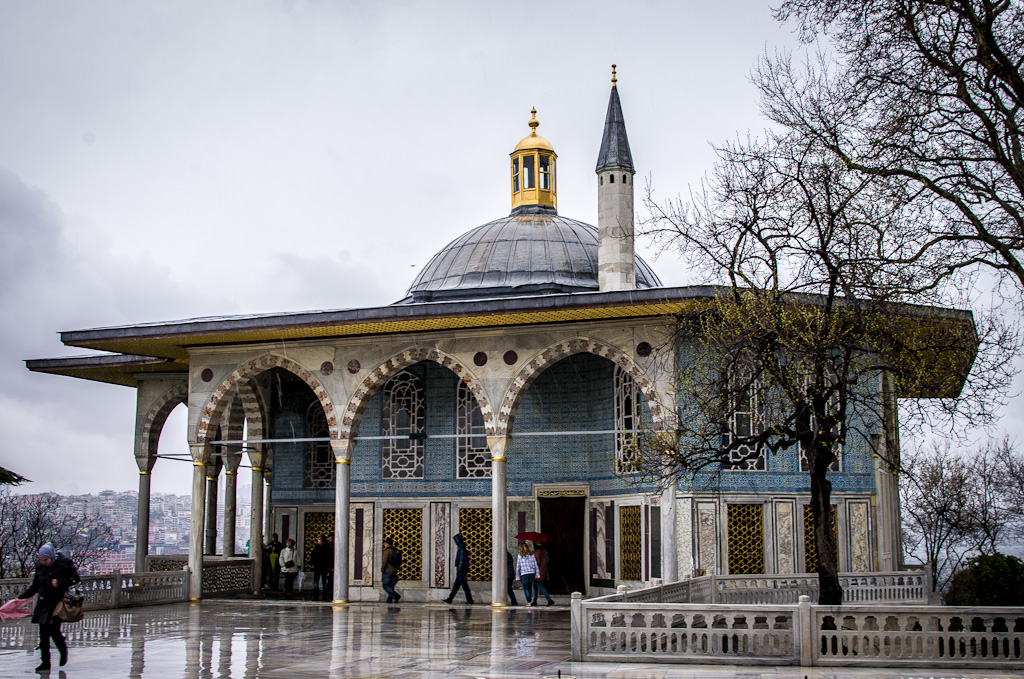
(614, 79)
(533, 171)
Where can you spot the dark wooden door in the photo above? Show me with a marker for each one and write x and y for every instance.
(562, 519)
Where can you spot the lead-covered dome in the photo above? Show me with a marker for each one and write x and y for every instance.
(536, 252)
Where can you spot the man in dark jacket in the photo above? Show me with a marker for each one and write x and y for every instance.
(320, 559)
(461, 571)
(55, 573)
(389, 572)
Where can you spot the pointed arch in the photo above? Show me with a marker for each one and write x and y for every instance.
(242, 377)
(353, 414)
(157, 415)
(564, 349)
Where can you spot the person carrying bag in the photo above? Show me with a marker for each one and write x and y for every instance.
(54, 576)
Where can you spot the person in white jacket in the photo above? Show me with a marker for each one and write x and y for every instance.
(289, 566)
(526, 570)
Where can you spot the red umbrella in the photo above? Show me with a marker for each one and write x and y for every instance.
(533, 536)
(15, 608)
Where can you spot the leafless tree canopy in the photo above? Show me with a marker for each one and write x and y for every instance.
(930, 94)
(957, 504)
(28, 521)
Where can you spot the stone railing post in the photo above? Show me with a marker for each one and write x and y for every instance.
(804, 636)
(116, 598)
(713, 598)
(576, 626)
(186, 583)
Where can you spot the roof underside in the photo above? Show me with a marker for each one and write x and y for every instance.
(165, 347)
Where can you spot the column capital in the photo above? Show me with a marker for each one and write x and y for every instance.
(342, 450)
(145, 463)
(231, 461)
(201, 453)
(499, 447)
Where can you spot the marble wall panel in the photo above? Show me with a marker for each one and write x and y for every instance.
(440, 521)
(860, 556)
(361, 543)
(684, 536)
(785, 541)
(707, 539)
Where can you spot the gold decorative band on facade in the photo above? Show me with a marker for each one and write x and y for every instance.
(198, 464)
(195, 598)
(562, 493)
(144, 473)
(499, 459)
(257, 469)
(344, 461)
(498, 604)
(228, 472)
(341, 601)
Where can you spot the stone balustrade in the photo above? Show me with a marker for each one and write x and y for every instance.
(748, 620)
(117, 590)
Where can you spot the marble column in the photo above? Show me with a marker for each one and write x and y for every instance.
(256, 459)
(231, 462)
(887, 460)
(669, 546)
(499, 519)
(342, 497)
(142, 517)
(268, 511)
(200, 460)
(212, 477)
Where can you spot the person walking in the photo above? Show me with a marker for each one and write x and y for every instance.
(320, 556)
(55, 574)
(274, 554)
(526, 570)
(461, 571)
(329, 582)
(540, 553)
(510, 572)
(289, 565)
(389, 571)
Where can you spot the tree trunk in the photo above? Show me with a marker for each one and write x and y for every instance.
(830, 592)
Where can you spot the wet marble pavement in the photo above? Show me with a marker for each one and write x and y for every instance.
(296, 640)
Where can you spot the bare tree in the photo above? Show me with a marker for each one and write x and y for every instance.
(28, 521)
(930, 94)
(810, 339)
(957, 504)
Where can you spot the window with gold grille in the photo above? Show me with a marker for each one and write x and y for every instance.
(810, 544)
(475, 526)
(316, 524)
(630, 542)
(746, 539)
(405, 527)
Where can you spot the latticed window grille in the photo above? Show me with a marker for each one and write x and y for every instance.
(837, 448)
(402, 457)
(746, 539)
(630, 542)
(473, 456)
(475, 526)
(744, 421)
(810, 544)
(627, 420)
(405, 527)
(316, 524)
(319, 467)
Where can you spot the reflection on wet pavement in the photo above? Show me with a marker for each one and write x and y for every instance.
(248, 639)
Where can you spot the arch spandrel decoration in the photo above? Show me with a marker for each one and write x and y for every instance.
(241, 378)
(532, 369)
(382, 373)
(156, 417)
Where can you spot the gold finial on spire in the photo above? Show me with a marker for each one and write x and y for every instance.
(533, 122)
(614, 79)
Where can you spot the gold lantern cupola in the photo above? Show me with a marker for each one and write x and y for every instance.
(533, 173)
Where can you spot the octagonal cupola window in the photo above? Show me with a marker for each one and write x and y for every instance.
(533, 173)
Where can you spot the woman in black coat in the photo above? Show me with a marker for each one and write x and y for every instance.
(55, 573)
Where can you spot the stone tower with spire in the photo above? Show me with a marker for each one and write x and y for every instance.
(616, 268)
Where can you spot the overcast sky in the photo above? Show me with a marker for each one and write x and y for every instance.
(325, 150)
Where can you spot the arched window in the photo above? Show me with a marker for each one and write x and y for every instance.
(745, 419)
(627, 420)
(402, 418)
(319, 467)
(473, 457)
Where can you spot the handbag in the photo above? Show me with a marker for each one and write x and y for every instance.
(69, 609)
(289, 564)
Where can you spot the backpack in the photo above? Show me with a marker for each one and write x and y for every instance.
(396, 557)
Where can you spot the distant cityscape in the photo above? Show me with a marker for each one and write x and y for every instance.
(169, 521)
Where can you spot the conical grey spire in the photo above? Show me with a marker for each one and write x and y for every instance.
(614, 144)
